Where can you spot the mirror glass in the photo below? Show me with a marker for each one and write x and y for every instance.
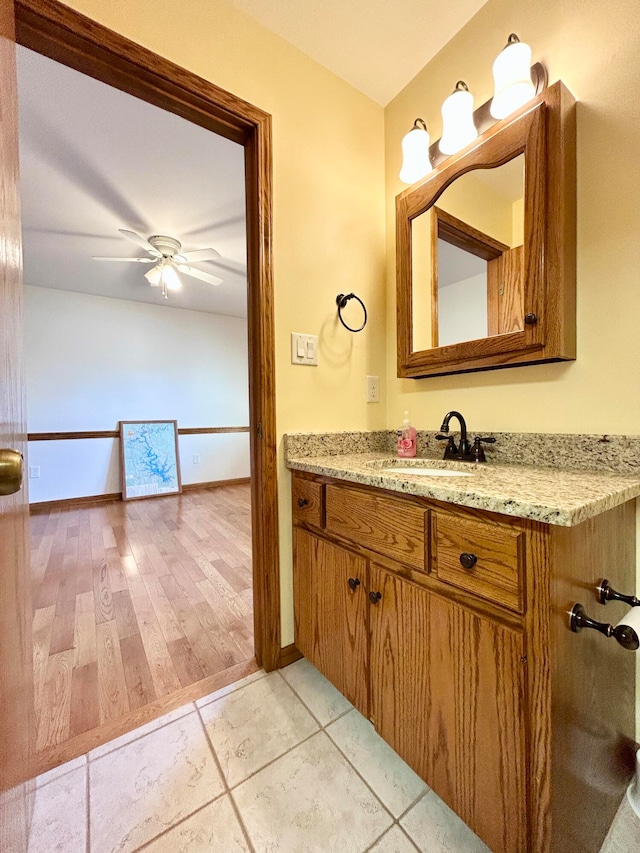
(467, 259)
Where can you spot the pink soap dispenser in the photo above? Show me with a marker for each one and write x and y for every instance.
(406, 439)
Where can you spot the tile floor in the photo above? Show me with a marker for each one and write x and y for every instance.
(277, 763)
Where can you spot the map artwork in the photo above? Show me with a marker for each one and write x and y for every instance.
(149, 458)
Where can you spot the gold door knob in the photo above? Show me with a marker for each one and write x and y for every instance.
(10, 471)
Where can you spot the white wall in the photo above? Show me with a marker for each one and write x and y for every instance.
(462, 310)
(92, 361)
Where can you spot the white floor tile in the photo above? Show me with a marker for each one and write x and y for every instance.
(254, 725)
(59, 822)
(319, 695)
(147, 786)
(434, 827)
(151, 726)
(213, 828)
(393, 781)
(310, 800)
(230, 688)
(624, 834)
(56, 772)
(394, 841)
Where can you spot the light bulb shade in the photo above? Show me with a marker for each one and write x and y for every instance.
(171, 278)
(458, 129)
(154, 275)
(512, 82)
(415, 153)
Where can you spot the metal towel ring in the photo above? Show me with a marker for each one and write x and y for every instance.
(341, 301)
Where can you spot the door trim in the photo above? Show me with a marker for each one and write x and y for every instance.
(62, 34)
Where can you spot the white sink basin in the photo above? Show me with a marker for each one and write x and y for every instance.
(425, 472)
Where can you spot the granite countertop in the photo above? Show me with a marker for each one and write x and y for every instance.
(550, 495)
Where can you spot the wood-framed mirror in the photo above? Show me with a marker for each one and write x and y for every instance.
(486, 249)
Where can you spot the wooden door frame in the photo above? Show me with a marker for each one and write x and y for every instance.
(62, 34)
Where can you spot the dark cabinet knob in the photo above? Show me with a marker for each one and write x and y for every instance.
(374, 597)
(467, 560)
(354, 583)
(530, 319)
(302, 502)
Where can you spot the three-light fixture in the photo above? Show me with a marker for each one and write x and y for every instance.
(513, 87)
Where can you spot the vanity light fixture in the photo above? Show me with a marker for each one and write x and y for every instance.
(458, 128)
(415, 153)
(513, 86)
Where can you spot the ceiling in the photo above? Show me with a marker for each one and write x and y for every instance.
(377, 46)
(94, 159)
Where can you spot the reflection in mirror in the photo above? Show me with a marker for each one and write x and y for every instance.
(467, 259)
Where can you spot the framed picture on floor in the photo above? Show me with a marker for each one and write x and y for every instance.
(150, 461)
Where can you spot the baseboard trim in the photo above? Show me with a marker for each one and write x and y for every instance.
(70, 503)
(289, 654)
(214, 484)
(79, 745)
(91, 500)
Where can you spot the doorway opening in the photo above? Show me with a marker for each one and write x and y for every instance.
(63, 35)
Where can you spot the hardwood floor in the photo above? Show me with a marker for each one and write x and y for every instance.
(134, 603)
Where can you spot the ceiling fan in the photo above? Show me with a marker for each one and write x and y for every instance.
(168, 260)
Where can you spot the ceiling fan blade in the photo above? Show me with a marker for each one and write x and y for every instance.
(200, 255)
(140, 241)
(203, 276)
(126, 260)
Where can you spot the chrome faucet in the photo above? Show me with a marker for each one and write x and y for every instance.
(464, 452)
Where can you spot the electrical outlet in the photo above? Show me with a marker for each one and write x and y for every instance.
(34, 472)
(196, 458)
(304, 349)
(373, 389)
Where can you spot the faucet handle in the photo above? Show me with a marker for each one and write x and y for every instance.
(477, 451)
(450, 451)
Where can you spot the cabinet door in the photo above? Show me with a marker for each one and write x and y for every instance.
(448, 693)
(331, 613)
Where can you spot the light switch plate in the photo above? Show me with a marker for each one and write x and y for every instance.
(304, 348)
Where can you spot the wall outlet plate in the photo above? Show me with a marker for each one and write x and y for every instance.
(304, 349)
(373, 389)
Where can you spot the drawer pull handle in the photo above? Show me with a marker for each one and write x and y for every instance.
(302, 502)
(354, 583)
(468, 561)
(374, 597)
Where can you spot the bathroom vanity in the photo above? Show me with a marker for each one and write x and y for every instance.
(438, 605)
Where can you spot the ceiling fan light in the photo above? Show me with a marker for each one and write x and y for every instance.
(154, 275)
(513, 86)
(458, 128)
(170, 277)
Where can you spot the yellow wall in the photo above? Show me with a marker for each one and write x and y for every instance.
(328, 143)
(593, 48)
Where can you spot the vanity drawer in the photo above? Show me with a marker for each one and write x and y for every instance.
(307, 501)
(485, 559)
(394, 528)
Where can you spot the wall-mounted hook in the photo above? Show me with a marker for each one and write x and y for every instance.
(625, 635)
(341, 301)
(607, 593)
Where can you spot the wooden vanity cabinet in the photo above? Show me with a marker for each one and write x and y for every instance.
(470, 672)
(448, 694)
(331, 614)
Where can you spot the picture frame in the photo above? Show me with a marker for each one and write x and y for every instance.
(149, 459)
